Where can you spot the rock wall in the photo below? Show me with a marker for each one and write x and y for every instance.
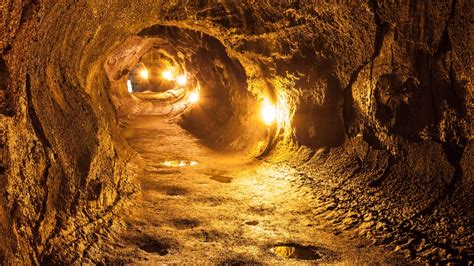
(64, 169)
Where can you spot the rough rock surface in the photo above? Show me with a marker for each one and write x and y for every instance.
(380, 93)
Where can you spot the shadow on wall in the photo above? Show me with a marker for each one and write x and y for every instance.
(318, 121)
(6, 107)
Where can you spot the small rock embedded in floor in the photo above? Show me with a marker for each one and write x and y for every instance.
(251, 223)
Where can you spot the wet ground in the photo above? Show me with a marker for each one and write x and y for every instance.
(197, 206)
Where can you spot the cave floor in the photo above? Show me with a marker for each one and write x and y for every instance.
(225, 209)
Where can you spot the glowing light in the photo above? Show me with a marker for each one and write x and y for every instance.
(144, 73)
(269, 112)
(182, 80)
(179, 163)
(194, 97)
(129, 86)
(168, 75)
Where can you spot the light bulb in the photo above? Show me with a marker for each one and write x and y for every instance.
(182, 80)
(144, 73)
(268, 112)
(194, 97)
(168, 75)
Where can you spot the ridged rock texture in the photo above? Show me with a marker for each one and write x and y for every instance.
(381, 99)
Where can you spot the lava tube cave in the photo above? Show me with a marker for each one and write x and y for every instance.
(236, 132)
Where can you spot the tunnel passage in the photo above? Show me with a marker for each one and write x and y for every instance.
(226, 116)
(370, 107)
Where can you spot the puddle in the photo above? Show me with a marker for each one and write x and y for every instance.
(295, 252)
(221, 178)
(178, 163)
(161, 247)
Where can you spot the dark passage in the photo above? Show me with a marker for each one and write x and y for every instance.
(236, 132)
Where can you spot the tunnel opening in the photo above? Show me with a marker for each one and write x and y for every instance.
(155, 73)
(163, 82)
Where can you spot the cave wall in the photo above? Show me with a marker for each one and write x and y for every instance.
(64, 168)
(413, 100)
(385, 85)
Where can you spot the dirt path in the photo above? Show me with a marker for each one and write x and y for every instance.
(221, 209)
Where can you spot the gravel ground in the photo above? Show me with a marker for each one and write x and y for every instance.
(223, 209)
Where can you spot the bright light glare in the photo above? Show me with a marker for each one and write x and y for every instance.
(182, 80)
(179, 163)
(168, 75)
(144, 73)
(194, 97)
(129, 86)
(269, 112)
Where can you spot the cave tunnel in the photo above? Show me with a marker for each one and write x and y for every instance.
(236, 132)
